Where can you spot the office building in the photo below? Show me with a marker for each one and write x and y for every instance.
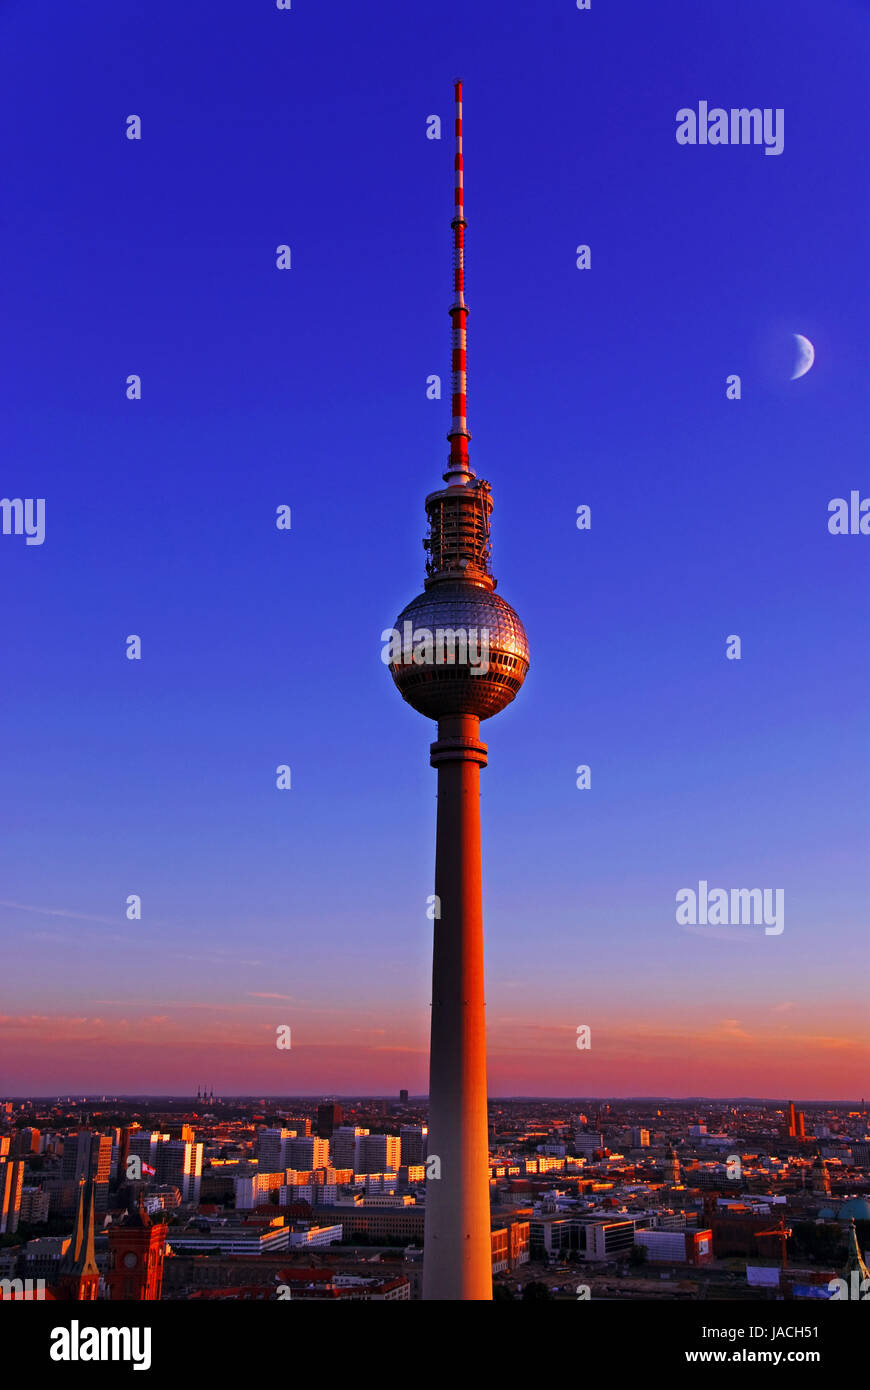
(179, 1163)
(345, 1146)
(272, 1149)
(328, 1119)
(86, 1157)
(308, 1153)
(11, 1184)
(380, 1153)
(34, 1206)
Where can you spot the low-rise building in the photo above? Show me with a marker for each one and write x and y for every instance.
(315, 1236)
(677, 1247)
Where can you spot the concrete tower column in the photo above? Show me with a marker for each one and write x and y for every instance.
(459, 599)
(458, 1259)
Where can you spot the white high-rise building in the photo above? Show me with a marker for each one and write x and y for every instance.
(176, 1162)
(179, 1162)
(11, 1184)
(308, 1153)
(414, 1141)
(272, 1149)
(145, 1144)
(345, 1146)
(380, 1153)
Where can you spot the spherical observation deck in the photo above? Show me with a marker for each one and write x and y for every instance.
(479, 671)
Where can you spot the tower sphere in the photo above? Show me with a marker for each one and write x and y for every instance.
(487, 634)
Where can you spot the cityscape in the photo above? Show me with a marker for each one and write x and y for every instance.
(231, 1198)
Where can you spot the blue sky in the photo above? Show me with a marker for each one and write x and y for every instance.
(307, 387)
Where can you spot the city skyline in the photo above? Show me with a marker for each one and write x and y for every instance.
(247, 1199)
(253, 1097)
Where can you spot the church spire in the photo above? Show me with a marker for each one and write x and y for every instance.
(70, 1259)
(855, 1262)
(79, 1275)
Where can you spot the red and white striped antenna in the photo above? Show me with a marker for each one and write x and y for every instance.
(459, 470)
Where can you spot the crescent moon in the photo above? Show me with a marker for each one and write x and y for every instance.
(806, 356)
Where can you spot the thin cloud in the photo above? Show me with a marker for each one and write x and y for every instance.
(60, 912)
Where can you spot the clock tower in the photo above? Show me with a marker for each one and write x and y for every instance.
(136, 1250)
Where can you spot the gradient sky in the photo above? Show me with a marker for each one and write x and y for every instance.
(307, 388)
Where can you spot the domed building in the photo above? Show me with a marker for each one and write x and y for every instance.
(854, 1209)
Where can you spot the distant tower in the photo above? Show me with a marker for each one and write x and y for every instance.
(136, 1252)
(821, 1177)
(672, 1165)
(442, 672)
(79, 1278)
(792, 1127)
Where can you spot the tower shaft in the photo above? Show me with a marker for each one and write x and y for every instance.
(458, 1246)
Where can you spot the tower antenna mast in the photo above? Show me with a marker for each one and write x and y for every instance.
(459, 469)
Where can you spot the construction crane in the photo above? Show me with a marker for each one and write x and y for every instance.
(782, 1233)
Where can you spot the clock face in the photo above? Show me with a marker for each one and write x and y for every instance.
(130, 1260)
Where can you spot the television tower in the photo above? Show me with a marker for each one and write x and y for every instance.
(464, 656)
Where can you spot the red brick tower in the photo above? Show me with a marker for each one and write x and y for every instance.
(136, 1250)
